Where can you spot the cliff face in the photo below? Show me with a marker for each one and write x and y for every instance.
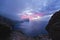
(5, 28)
(54, 19)
(53, 26)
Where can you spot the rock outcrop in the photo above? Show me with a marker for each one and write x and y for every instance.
(53, 26)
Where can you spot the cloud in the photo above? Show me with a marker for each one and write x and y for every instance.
(13, 7)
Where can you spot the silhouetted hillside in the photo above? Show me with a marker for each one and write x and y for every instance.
(53, 26)
(54, 19)
(5, 27)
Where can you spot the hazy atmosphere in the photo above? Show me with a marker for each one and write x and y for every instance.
(38, 11)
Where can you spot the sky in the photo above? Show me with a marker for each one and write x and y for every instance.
(12, 9)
